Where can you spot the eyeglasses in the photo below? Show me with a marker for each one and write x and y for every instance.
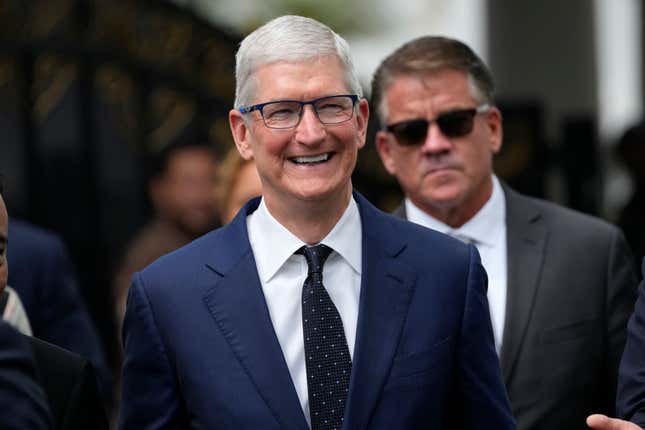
(287, 113)
(456, 123)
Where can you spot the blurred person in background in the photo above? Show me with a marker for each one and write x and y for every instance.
(631, 152)
(23, 401)
(237, 182)
(48, 302)
(67, 379)
(180, 188)
(561, 284)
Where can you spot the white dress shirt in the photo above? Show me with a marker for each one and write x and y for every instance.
(282, 275)
(487, 231)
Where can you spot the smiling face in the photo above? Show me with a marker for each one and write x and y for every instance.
(311, 162)
(449, 178)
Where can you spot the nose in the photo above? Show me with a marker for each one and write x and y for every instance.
(436, 142)
(310, 130)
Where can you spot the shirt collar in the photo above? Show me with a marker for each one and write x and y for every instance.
(273, 244)
(483, 228)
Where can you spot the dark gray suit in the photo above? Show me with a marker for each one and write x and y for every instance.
(571, 288)
(71, 387)
(23, 402)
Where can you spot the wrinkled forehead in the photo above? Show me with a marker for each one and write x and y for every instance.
(446, 81)
(323, 74)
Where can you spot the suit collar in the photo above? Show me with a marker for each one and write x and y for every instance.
(273, 244)
(526, 240)
(236, 238)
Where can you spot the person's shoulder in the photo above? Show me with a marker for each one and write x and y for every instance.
(53, 357)
(10, 338)
(184, 261)
(155, 239)
(69, 381)
(22, 399)
(215, 252)
(416, 232)
(558, 216)
(416, 241)
(23, 234)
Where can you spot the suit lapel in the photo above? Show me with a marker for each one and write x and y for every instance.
(526, 238)
(239, 309)
(386, 290)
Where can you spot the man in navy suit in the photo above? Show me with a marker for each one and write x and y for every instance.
(311, 309)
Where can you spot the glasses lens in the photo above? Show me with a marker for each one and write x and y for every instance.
(334, 110)
(281, 114)
(456, 123)
(410, 133)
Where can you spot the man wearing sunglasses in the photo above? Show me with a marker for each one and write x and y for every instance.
(561, 284)
(311, 308)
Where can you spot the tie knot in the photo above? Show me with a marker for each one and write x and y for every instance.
(315, 256)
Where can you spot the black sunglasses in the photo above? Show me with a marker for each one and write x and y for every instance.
(456, 123)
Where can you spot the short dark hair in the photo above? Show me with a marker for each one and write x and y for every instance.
(426, 55)
(159, 160)
(1, 185)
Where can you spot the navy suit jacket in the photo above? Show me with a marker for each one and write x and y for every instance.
(201, 352)
(41, 273)
(23, 403)
(630, 403)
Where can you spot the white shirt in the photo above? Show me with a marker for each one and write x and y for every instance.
(282, 275)
(15, 314)
(487, 231)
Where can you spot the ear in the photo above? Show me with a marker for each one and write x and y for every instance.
(241, 134)
(362, 117)
(494, 121)
(383, 142)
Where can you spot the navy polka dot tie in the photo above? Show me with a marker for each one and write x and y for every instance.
(327, 358)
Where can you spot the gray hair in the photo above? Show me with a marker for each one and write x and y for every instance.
(288, 38)
(429, 54)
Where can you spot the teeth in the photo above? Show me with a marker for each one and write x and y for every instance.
(314, 159)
